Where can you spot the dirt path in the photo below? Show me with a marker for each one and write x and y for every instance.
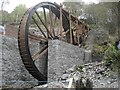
(11, 30)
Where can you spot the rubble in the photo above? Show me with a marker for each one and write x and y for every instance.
(14, 75)
(99, 80)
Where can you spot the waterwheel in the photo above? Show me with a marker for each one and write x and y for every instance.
(38, 25)
(41, 23)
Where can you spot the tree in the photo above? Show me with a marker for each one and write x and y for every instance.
(104, 14)
(5, 16)
(3, 3)
(98, 13)
(18, 12)
(74, 7)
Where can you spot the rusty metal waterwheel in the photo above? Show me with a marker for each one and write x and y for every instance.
(41, 23)
(38, 25)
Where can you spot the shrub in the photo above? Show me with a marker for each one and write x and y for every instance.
(112, 57)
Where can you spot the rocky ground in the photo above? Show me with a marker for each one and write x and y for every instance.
(101, 76)
(14, 75)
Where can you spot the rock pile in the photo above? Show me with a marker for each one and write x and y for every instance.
(14, 74)
(100, 76)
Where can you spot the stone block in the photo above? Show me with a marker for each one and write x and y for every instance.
(62, 56)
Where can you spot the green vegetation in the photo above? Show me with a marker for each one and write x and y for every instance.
(18, 12)
(101, 15)
(99, 49)
(14, 16)
(112, 56)
(108, 54)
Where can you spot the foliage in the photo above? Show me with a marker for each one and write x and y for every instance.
(18, 12)
(74, 7)
(14, 16)
(102, 14)
(93, 26)
(4, 16)
(97, 12)
(99, 49)
(112, 55)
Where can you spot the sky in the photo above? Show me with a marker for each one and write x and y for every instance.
(13, 3)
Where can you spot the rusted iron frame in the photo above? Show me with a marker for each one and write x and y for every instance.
(44, 24)
(51, 22)
(73, 18)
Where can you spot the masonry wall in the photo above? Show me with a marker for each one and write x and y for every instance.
(62, 56)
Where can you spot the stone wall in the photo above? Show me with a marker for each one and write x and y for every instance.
(62, 56)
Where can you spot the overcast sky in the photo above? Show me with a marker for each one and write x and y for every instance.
(13, 3)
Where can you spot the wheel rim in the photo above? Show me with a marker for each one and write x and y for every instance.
(34, 32)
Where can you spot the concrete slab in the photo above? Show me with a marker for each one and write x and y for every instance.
(62, 56)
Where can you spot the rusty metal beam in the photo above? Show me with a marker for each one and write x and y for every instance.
(51, 22)
(71, 38)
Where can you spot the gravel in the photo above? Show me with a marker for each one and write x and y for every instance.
(14, 73)
(106, 79)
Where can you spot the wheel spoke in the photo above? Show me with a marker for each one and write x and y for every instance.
(39, 27)
(40, 53)
(43, 23)
(36, 37)
(55, 20)
(51, 24)
(45, 16)
(65, 33)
